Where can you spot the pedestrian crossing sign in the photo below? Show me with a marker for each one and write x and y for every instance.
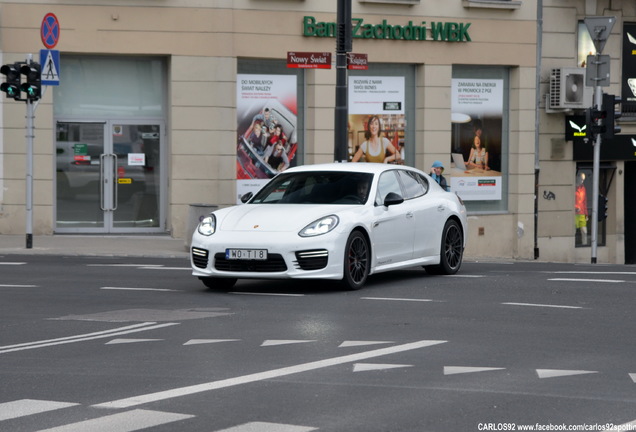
(50, 67)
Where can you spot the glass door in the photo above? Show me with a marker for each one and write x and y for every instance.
(109, 177)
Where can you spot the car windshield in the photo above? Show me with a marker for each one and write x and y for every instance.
(324, 187)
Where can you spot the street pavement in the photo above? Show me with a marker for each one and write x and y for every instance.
(95, 245)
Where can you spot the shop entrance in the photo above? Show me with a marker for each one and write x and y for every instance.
(630, 212)
(109, 177)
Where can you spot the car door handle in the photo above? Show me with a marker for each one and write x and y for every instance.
(409, 215)
(441, 207)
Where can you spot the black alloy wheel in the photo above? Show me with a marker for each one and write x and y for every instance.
(356, 261)
(452, 250)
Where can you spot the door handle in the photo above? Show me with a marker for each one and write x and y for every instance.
(115, 182)
(102, 181)
(409, 215)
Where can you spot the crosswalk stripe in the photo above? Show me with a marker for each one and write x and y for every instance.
(128, 421)
(268, 427)
(26, 407)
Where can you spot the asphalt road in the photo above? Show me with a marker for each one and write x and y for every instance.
(127, 344)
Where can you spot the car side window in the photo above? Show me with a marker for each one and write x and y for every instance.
(415, 185)
(387, 183)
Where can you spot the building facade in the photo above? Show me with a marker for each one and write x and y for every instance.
(165, 108)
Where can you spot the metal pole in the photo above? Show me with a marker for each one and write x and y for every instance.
(29, 175)
(343, 45)
(598, 102)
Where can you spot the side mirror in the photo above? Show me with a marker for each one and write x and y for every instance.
(392, 199)
(245, 198)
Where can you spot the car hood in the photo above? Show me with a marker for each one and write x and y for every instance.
(274, 217)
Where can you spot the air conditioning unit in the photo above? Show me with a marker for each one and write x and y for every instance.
(568, 90)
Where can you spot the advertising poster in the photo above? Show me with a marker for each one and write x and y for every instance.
(376, 119)
(266, 109)
(477, 128)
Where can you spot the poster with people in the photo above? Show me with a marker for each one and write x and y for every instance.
(477, 129)
(266, 109)
(376, 119)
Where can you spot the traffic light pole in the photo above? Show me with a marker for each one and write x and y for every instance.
(598, 102)
(29, 173)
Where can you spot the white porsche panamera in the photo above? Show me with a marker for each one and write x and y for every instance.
(340, 221)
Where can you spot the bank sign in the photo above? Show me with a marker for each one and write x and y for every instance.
(424, 31)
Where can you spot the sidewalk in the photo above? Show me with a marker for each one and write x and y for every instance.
(95, 245)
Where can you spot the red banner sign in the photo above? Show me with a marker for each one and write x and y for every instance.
(309, 60)
(357, 61)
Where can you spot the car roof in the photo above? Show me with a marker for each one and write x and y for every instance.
(355, 167)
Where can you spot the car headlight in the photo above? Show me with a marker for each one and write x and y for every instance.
(207, 226)
(319, 227)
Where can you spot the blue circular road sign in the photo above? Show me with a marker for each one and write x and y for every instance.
(50, 30)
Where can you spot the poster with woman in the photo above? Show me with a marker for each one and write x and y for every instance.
(376, 119)
(476, 137)
(266, 109)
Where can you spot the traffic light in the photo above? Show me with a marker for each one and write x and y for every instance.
(602, 208)
(595, 121)
(609, 102)
(11, 86)
(33, 85)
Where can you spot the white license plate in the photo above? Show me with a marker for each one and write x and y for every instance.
(246, 254)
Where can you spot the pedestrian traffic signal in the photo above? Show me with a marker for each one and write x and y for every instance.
(11, 86)
(609, 103)
(602, 208)
(595, 121)
(33, 85)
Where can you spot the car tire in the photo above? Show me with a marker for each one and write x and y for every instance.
(218, 283)
(451, 251)
(357, 259)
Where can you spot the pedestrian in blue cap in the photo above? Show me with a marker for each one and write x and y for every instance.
(436, 172)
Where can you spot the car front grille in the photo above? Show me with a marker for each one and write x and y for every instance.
(200, 257)
(312, 259)
(273, 263)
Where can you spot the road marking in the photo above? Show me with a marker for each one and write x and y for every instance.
(18, 286)
(466, 276)
(586, 280)
(347, 344)
(208, 341)
(543, 305)
(268, 427)
(124, 265)
(85, 337)
(123, 422)
(164, 268)
(267, 294)
(552, 373)
(126, 341)
(12, 263)
(26, 407)
(633, 376)
(399, 299)
(591, 272)
(261, 376)
(454, 370)
(275, 342)
(365, 367)
(136, 289)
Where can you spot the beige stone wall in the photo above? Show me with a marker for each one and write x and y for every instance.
(203, 40)
(556, 217)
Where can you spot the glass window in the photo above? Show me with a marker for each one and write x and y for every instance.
(388, 183)
(480, 138)
(413, 186)
(399, 129)
(98, 87)
(583, 202)
(295, 126)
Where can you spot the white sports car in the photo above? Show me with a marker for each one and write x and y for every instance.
(340, 221)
